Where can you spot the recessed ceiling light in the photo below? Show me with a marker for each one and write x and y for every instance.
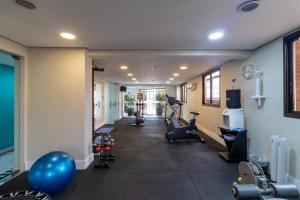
(176, 74)
(216, 35)
(130, 74)
(248, 6)
(171, 79)
(183, 67)
(134, 79)
(26, 4)
(124, 67)
(68, 36)
(167, 82)
(136, 82)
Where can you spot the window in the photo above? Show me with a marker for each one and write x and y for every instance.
(292, 75)
(183, 92)
(211, 88)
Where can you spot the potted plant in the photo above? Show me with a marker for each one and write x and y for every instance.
(159, 97)
(129, 103)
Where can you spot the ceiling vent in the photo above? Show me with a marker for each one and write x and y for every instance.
(248, 6)
(26, 4)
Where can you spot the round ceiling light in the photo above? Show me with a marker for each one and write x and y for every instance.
(134, 79)
(124, 67)
(183, 67)
(130, 74)
(68, 36)
(167, 82)
(248, 6)
(26, 4)
(216, 35)
(176, 74)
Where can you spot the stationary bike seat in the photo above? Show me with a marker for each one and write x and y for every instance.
(195, 113)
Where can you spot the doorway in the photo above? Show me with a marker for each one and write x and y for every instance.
(9, 116)
(153, 101)
(98, 104)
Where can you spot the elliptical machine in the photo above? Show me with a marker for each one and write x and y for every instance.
(175, 131)
(139, 114)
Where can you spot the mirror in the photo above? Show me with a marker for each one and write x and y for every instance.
(292, 75)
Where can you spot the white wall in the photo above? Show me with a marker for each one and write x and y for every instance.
(88, 108)
(111, 96)
(261, 124)
(59, 106)
(270, 120)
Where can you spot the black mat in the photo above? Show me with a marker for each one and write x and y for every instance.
(149, 168)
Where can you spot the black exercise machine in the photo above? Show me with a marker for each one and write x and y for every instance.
(175, 131)
(253, 184)
(102, 148)
(139, 114)
(173, 100)
(236, 143)
(232, 130)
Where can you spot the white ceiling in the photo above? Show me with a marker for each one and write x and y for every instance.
(147, 24)
(141, 63)
(150, 25)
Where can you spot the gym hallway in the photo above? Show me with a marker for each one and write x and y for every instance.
(149, 168)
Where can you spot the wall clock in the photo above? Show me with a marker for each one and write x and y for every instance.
(248, 71)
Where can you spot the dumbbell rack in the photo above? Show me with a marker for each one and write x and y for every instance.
(102, 148)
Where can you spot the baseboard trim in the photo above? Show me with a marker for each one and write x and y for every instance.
(6, 150)
(80, 164)
(83, 164)
(99, 125)
(28, 165)
(293, 180)
(211, 134)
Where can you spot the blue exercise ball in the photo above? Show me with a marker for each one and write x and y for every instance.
(52, 172)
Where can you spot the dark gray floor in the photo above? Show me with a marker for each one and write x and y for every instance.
(147, 167)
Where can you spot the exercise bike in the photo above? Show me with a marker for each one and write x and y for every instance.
(177, 132)
(168, 119)
(139, 114)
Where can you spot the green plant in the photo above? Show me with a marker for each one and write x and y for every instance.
(129, 99)
(160, 97)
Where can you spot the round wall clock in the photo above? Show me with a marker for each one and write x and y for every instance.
(248, 71)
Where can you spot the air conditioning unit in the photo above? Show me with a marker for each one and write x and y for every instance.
(191, 86)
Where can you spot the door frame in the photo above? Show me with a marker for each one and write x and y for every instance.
(94, 69)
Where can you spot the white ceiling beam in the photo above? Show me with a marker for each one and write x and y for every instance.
(237, 54)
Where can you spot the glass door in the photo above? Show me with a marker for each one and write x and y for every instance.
(9, 116)
(151, 102)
